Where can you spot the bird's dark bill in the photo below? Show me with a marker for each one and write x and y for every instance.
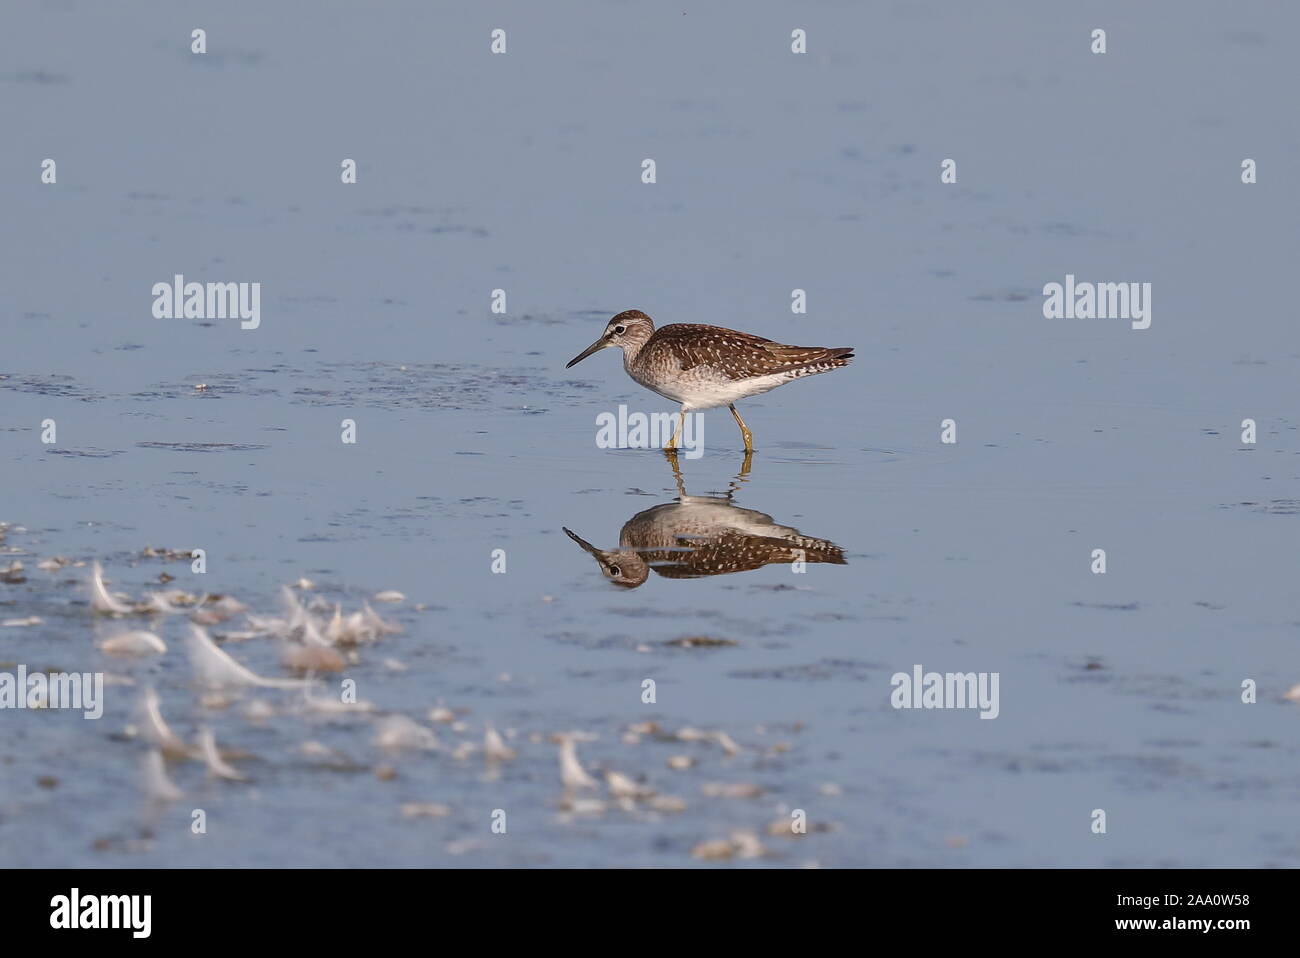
(597, 345)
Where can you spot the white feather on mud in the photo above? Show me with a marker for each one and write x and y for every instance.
(688, 734)
(155, 730)
(494, 746)
(741, 844)
(207, 617)
(265, 624)
(295, 614)
(377, 625)
(212, 758)
(258, 711)
(228, 605)
(463, 751)
(728, 744)
(133, 644)
(399, 732)
(340, 631)
(157, 786)
(572, 774)
(103, 601)
(217, 670)
(622, 786)
(360, 627)
(306, 650)
(160, 603)
(334, 631)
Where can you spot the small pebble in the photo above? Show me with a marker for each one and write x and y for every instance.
(425, 810)
(732, 790)
(666, 803)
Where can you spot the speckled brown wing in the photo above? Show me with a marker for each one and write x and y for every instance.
(741, 355)
(736, 552)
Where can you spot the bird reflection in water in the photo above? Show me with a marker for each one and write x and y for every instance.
(698, 536)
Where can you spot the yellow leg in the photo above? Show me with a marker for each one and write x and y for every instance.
(671, 456)
(681, 418)
(742, 477)
(744, 430)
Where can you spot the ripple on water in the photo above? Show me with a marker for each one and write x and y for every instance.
(88, 453)
(203, 446)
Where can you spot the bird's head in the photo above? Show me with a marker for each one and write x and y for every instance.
(628, 330)
(620, 566)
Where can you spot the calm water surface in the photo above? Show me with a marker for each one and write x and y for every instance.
(1119, 691)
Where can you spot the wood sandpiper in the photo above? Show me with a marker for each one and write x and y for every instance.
(705, 366)
(699, 536)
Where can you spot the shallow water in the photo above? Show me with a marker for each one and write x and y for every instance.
(1119, 691)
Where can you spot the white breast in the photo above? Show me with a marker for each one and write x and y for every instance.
(704, 388)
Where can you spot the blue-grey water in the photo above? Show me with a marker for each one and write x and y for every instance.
(775, 171)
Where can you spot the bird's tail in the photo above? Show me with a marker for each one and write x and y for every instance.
(810, 360)
(812, 355)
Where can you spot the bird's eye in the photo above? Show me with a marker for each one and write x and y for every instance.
(620, 330)
(614, 570)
